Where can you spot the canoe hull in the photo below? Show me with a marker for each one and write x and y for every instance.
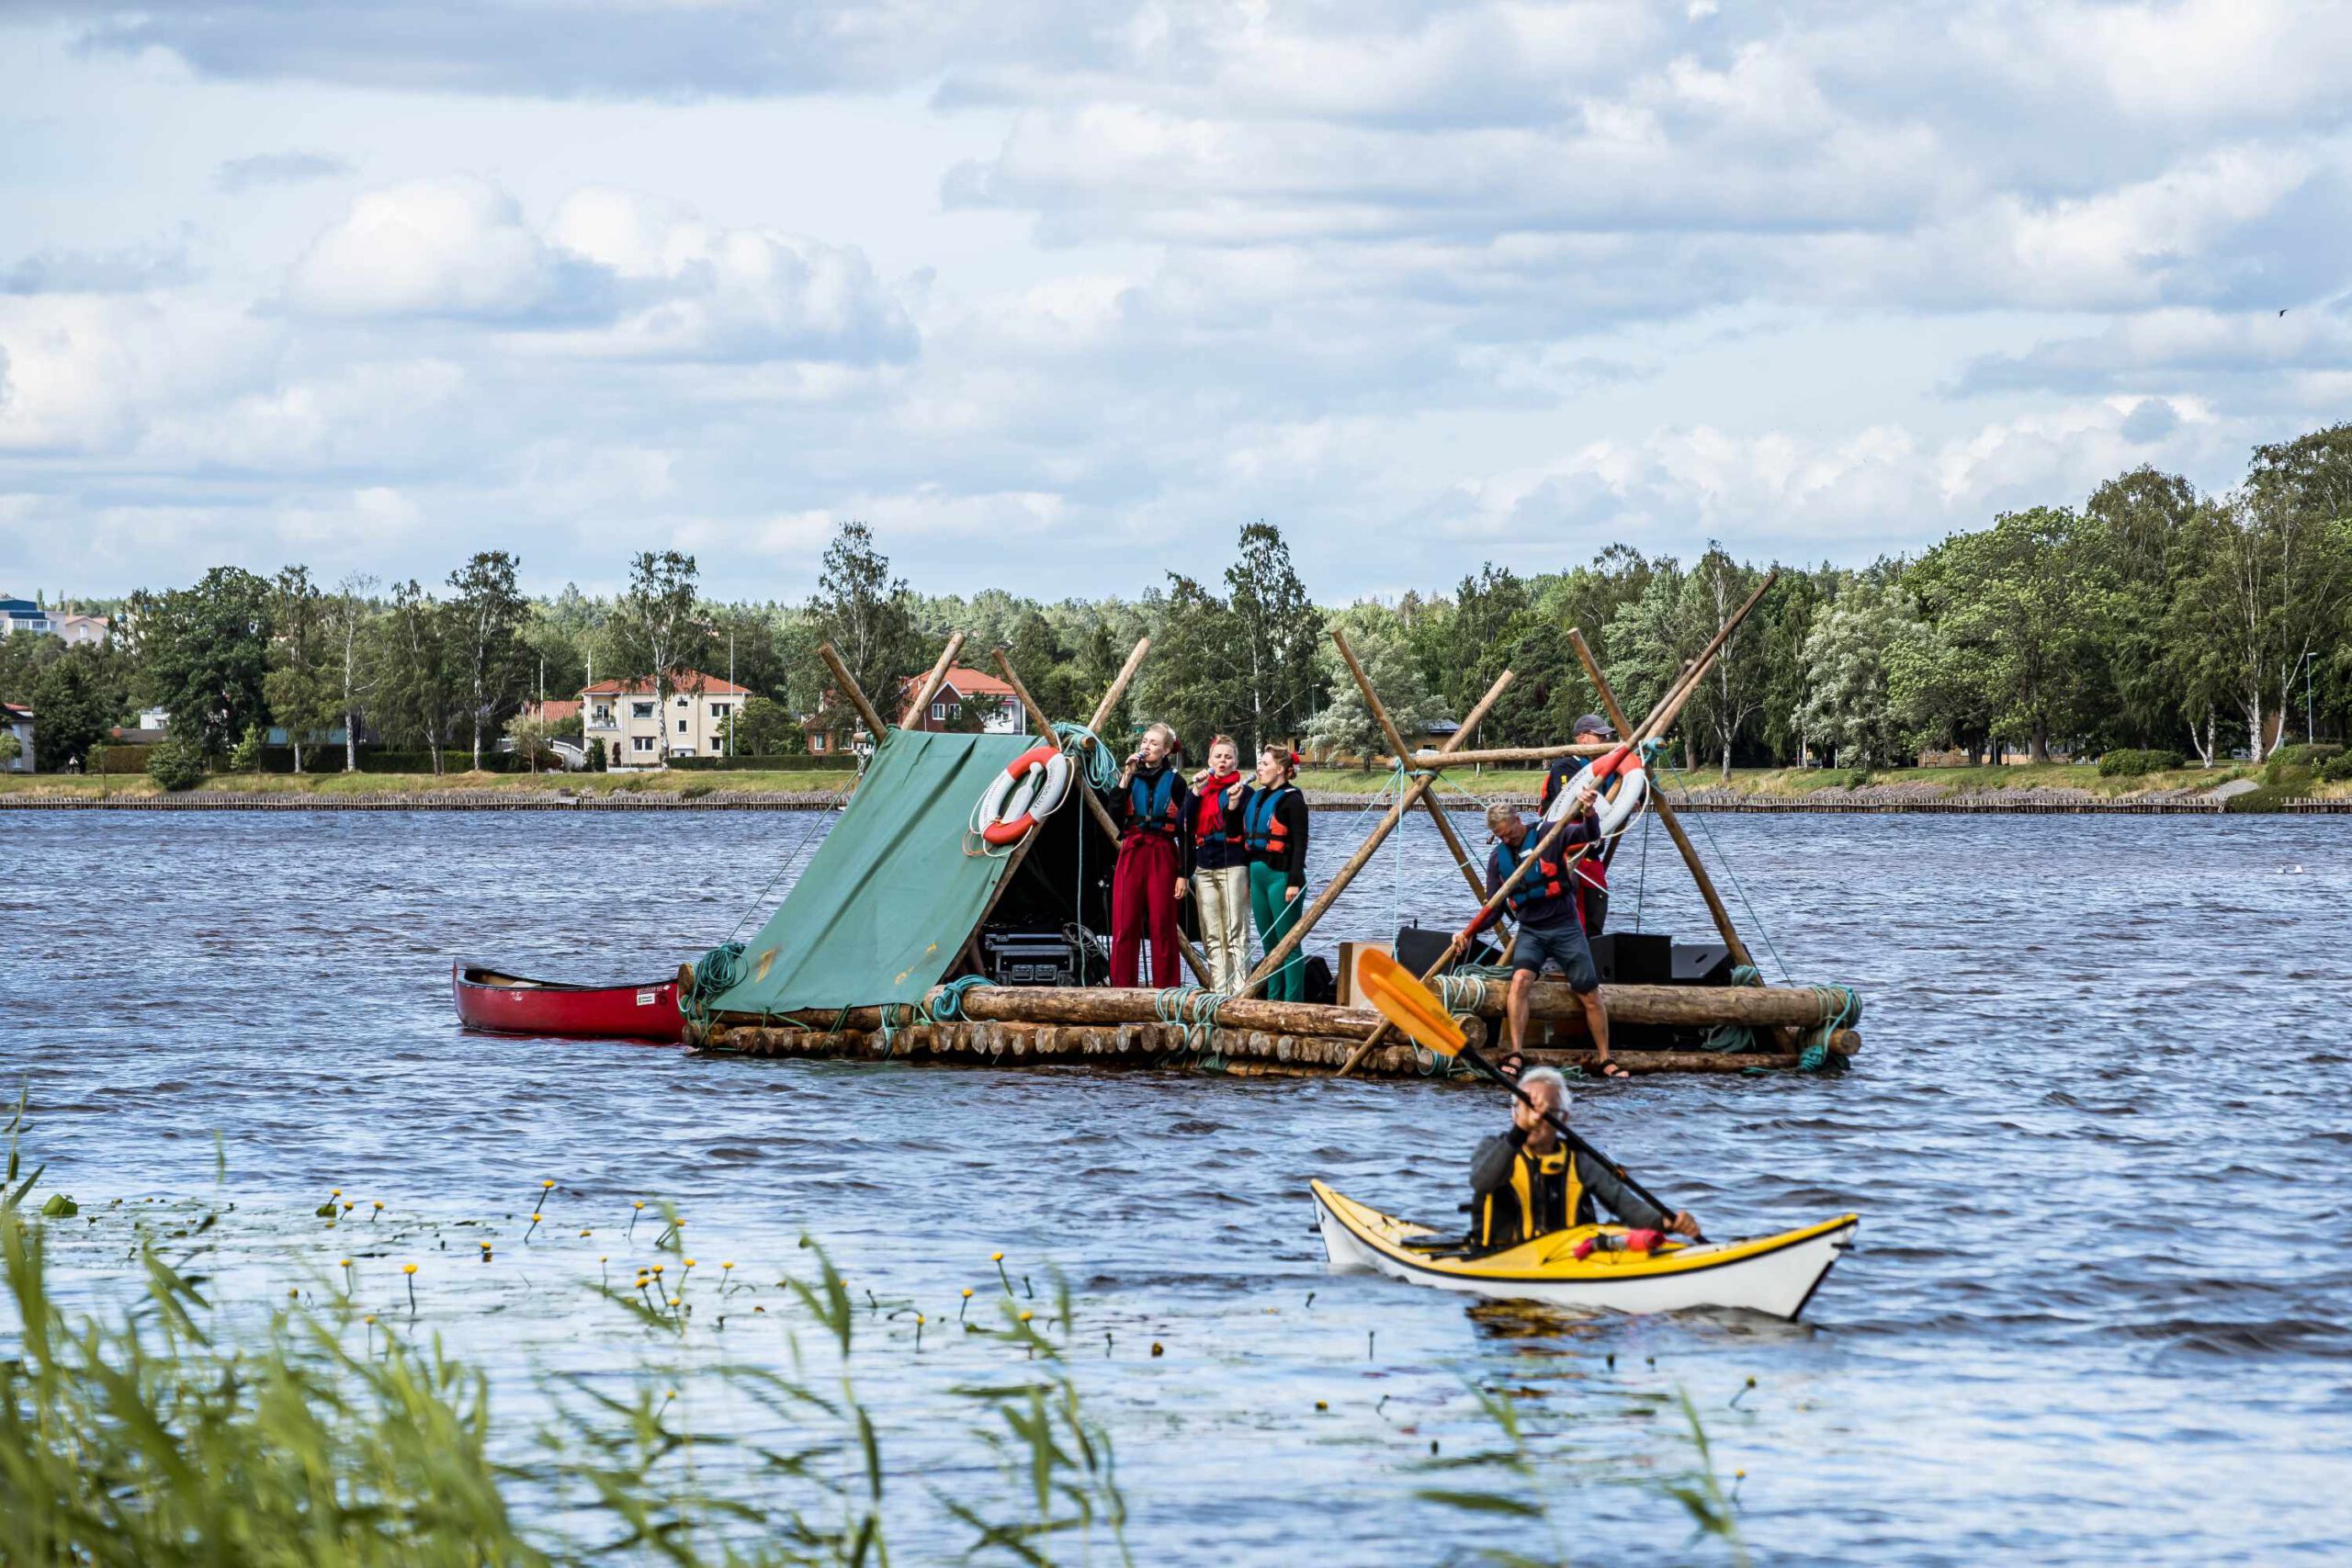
(497, 1003)
(1775, 1275)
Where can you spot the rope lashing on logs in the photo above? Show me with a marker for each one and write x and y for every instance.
(946, 1004)
(1193, 1009)
(715, 973)
(1817, 1056)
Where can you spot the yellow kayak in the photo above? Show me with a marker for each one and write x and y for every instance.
(1772, 1274)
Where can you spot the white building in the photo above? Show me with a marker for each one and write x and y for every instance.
(640, 730)
(18, 722)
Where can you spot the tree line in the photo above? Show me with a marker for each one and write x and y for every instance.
(2151, 615)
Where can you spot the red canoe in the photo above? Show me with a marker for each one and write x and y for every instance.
(509, 1004)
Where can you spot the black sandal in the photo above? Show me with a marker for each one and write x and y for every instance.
(1513, 1064)
(1610, 1067)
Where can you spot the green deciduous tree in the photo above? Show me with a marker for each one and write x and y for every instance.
(204, 654)
(416, 680)
(762, 729)
(2028, 603)
(1347, 725)
(78, 696)
(1282, 636)
(868, 616)
(486, 614)
(299, 684)
(655, 632)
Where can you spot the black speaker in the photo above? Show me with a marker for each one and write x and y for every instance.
(1702, 963)
(1633, 958)
(1418, 949)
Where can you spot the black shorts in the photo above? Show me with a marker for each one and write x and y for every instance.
(1561, 945)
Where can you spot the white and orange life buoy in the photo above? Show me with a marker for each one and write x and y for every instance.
(1029, 790)
(1624, 765)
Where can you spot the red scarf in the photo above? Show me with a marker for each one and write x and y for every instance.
(1211, 795)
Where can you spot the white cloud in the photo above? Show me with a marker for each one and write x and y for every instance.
(451, 248)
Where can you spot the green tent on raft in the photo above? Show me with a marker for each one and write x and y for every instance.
(882, 910)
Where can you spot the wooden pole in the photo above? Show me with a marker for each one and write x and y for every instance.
(1660, 718)
(1655, 723)
(1365, 851)
(1102, 815)
(1502, 756)
(1118, 687)
(1397, 741)
(1739, 953)
(931, 683)
(850, 689)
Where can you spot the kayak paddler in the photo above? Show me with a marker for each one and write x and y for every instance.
(1528, 1184)
(1550, 929)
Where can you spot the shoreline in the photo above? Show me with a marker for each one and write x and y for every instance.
(2036, 803)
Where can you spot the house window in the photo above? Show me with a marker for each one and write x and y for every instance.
(682, 702)
(682, 726)
(603, 717)
(717, 748)
(719, 710)
(640, 710)
(939, 712)
(641, 743)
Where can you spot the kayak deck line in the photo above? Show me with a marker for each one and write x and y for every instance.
(1774, 1274)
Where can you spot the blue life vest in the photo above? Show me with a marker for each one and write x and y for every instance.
(1151, 806)
(1548, 882)
(1263, 828)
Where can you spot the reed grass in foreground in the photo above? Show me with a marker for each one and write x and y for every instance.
(176, 1428)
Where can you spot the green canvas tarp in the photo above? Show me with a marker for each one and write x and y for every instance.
(884, 907)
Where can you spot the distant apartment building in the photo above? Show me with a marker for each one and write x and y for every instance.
(27, 615)
(641, 730)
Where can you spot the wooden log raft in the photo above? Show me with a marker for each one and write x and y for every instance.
(1128, 1027)
(1244, 1051)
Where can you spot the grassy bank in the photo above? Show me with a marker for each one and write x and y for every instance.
(1787, 783)
(663, 781)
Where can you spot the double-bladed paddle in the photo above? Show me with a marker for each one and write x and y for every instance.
(1412, 1006)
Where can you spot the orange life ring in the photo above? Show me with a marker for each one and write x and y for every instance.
(1007, 814)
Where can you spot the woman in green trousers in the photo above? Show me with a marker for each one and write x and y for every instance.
(1273, 822)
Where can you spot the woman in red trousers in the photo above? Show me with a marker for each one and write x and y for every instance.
(1155, 859)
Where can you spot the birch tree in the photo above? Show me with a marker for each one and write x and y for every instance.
(486, 617)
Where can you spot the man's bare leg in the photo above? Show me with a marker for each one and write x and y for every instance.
(1522, 981)
(1595, 1022)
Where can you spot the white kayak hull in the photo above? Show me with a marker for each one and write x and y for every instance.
(1775, 1275)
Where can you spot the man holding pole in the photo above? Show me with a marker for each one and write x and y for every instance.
(1551, 932)
(1592, 870)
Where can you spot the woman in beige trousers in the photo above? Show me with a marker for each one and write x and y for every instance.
(1221, 865)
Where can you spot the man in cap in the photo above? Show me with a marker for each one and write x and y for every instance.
(1528, 1183)
(1591, 871)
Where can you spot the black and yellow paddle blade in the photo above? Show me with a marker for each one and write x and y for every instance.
(1412, 1006)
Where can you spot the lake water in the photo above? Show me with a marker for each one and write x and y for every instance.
(2101, 1135)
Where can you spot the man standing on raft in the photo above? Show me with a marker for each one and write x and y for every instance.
(1550, 929)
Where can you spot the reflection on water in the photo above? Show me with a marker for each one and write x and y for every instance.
(2098, 1136)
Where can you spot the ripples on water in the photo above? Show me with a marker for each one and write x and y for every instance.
(2099, 1134)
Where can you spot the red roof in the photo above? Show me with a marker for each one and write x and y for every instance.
(969, 683)
(691, 683)
(557, 711)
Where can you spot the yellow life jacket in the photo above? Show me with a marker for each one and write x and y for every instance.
(1543, 1186)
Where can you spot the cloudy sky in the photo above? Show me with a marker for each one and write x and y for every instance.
(1058, 295)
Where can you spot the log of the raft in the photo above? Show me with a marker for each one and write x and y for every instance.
(1756, 1006)
(1143, 1045)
